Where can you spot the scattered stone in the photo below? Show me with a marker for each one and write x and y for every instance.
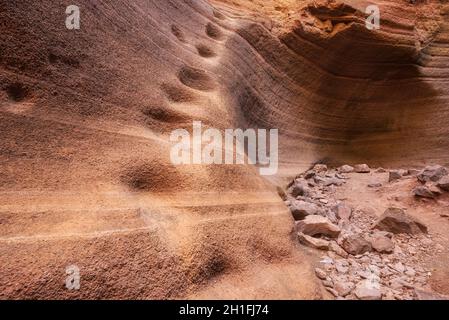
(328, 181)
(300, 188)
(362, 168)
(399, 267)
(320, 273)
(354, 253)
(427, 295)
(332, 291)
(301, 209)
(366, 290)
(341, 176)
(320, 168)
(423, 192)
(309, 174)
(410, 272)
(317, 225)
(395, 220)
(343, 288)
(432, 173)
(327, 260)
(394, 175)
(375, 185)
(342, 266)
(342, 211)
(354, 243)
(434, 189)
(444, 183)
(312, 242)
(381, 243)
(346, 169)
(413, 172)
(334, 247)
(399, 283)
(380, 170)
(388, 295)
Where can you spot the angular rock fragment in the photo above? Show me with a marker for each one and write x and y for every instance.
(429, 295)
(332, 291)
(312, 242)
(381, 243)
(432, 173)
(413, 172)
(309, 174)
(362, 168)
(394, 175)
(345, 169)
(375, 185)
(395, 220)
(342, 211)
(354, 243)
(329, 181)
(320, 168)
(366, 290)
(317, 225)
(342, 266)
(443, 183)
(301, 209)
(343, 288)
(300, 188)
(320, 273)
(334, 247)
(424, 192)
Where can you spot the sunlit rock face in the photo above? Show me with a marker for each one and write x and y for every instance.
(85, 116)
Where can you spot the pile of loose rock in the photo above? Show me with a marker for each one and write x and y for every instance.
(433, 181)
(367, 257)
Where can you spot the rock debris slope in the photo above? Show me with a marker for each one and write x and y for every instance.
(85, 176)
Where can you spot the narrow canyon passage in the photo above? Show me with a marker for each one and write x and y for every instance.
(86, 116)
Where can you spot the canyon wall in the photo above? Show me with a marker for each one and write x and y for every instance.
(85, 118)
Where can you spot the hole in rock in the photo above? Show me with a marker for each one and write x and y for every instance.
(17, 92)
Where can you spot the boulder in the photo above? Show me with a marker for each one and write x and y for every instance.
(317, 225)
(354, 243)
(342, 211)
(432, 173)
(444, 183)
(394, 175)
(395, 220)
(362, 168)
(345, 169)
(312, 242)
(381, 242)
(301, 209)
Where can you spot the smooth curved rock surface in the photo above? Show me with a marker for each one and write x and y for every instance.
(85, 116)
